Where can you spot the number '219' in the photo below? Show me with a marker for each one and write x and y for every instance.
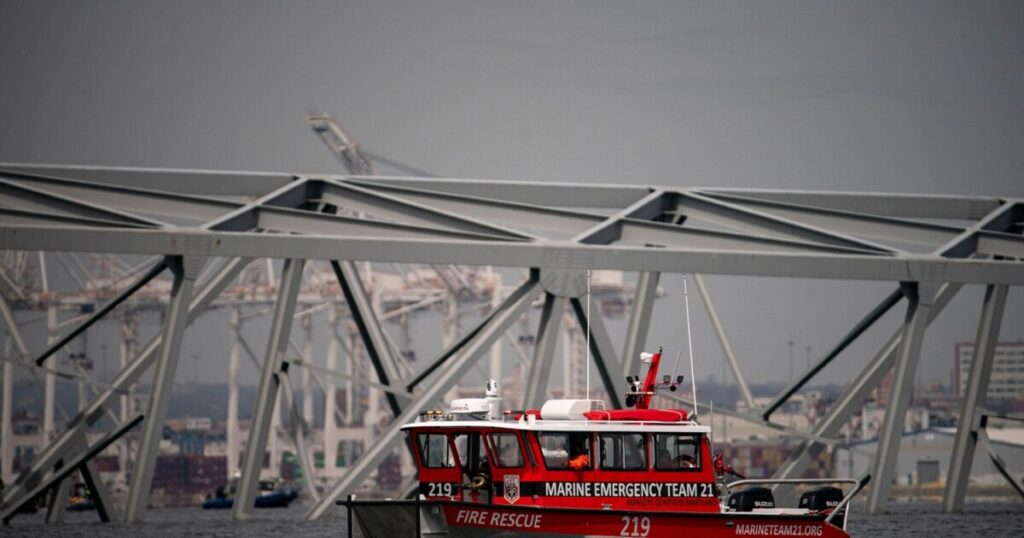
(635, 526)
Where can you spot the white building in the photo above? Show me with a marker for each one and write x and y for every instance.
(1007, 379)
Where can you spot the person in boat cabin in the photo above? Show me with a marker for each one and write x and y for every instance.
(579, 453)
(675, 451)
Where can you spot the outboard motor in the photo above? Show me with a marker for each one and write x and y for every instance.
(823, 498)
(751, 498)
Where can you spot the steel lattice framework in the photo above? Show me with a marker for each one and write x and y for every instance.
(195, 218)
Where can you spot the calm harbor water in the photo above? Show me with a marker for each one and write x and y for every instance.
(990, 519)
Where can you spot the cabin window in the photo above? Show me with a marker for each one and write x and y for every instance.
(435, 452)
(471, 454)
(565, 450)
(506, 450)
(675, 451)
(623, 451)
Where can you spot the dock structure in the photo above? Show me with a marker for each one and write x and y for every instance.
(207, 230)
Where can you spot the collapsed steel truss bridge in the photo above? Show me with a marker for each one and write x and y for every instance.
(206, 226)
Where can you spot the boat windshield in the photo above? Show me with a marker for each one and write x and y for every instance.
(623, 451)
(674, 451)
(564, 450)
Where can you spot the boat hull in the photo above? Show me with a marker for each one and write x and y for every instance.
(278, 499)
(473, 520)
(466, 520)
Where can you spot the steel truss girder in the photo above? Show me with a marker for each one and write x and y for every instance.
(1000, 217)
(176, 320)
(267, 391)
(510, 310)
(556, 255)
(59, 447)
(974, 396)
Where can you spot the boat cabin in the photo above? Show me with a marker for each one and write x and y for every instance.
(569, 453)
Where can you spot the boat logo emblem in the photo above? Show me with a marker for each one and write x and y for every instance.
(511, 488)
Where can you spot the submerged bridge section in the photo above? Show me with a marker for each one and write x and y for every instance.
(205, 227)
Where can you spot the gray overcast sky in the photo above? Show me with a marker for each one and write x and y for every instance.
(893, 96)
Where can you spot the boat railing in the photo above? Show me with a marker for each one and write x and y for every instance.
(855, 487)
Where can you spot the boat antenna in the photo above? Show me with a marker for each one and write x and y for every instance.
(689, 344)
(588, 334)
(679, 355)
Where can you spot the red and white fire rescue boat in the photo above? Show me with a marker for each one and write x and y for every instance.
(573, 468)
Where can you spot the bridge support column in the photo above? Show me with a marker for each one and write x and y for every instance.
(186, 270)
(266, 395)
(974, 395)
(921, 296)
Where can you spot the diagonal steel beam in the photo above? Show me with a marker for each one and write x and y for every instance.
(356, 198)
(176, 320)
(37, 199)
(125, 198)
(370, 329)
(732, 215)
(639, 319)
(197, 182)
(852, 222)
(863, 325)
(536, 388)
(14, 217)
(298, 437)
(266, 393)
(98, 491)
(292, 195)
(974, 395)
(734, 366)
(514, 214)
(307, 222)
(603, 353)
(9, 510)
(928, 206)
(649, 207)
(632, 231)
(527, 192)
(997, 460)
(135, 286)
(512, 308)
